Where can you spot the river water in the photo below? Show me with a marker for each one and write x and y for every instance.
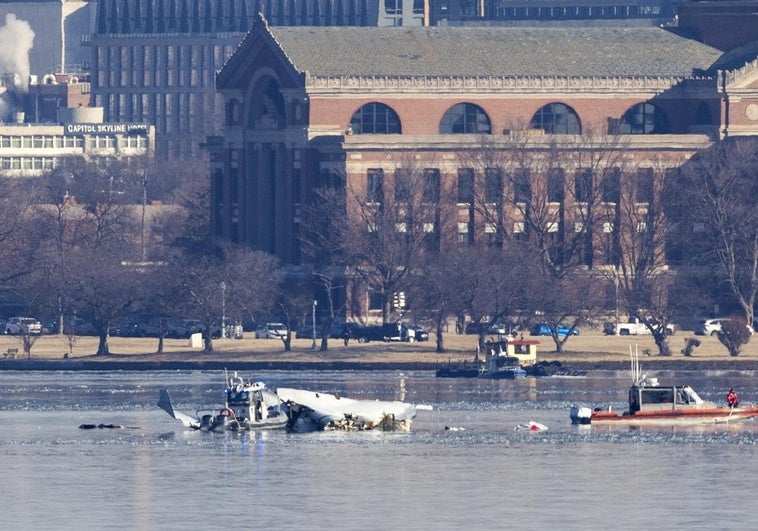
(154, 474)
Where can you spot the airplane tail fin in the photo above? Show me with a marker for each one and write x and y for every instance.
(164, 402)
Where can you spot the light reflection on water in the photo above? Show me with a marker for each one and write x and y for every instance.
(155, 475)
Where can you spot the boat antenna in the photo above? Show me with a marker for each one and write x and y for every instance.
(634, 358)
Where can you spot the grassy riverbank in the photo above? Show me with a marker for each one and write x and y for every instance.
(589, 350)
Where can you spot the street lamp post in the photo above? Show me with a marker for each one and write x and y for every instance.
(223, 309)
(616, 285)
(313, 315)
(144, 208)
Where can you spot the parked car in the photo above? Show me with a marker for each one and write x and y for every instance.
(22, 326)
(634, 327)
(364, 334)
(414, 333)
(711, 327)
(543, 329)
(271, 331)
(494, 329)
(135, 325)
(184, 328)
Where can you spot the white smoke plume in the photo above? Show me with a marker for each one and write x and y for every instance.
(16, 40)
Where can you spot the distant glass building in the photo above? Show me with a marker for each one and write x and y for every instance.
(627, 13)
(155, 60)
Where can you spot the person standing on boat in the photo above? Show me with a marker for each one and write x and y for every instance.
(731, 398)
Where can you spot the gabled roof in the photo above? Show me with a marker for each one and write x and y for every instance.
(491, 51)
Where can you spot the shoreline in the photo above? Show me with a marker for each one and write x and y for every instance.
(587, 352)
(123, 363)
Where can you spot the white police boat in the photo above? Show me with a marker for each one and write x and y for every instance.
(247, 406)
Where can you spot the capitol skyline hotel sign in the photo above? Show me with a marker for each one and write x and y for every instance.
(106, 129)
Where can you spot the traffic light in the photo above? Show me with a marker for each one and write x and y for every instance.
(398, 300)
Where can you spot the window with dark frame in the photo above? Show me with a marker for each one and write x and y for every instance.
(522, 189)
(466, 185)
(431, 192)
(493, 186)
(611, 185)
(375, 300)
(465, 118)
(375, 119)
(644, 191)
(555, 186)
(403, 183)
(583, 186)
(557, 119)
(375, 186)
(643, 119)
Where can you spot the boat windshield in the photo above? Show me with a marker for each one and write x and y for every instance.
(668, 395)
(660, 395)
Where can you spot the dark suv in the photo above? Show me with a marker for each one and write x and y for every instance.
(363, 334)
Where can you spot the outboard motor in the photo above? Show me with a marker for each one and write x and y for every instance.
(580, 415)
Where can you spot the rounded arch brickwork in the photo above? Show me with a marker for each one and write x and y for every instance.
(644, 119)
(465, 118)
(375, 118)
(556, 119)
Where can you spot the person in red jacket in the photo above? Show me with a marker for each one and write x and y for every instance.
(731, 398)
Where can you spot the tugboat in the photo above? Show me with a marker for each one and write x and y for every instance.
(247, 406)
(503, 359)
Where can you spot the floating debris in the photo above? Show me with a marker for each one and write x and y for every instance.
(531, 426)
(106, 426)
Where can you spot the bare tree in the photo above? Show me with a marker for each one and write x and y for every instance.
(554, 196)
(325, 247)
(571, 301)
(639, 236)
(235, 281)
(187, 225)
(82, 247)
(491, 284)
(100, 287)
(442, 289)
(15, 201)
(401, 218)
(553, 193)
(715, 201)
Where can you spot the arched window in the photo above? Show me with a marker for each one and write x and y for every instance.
(465, 118)
(233, 112)
(557, 119)
(643, 119)
(703, 114)
(267, 109)
(375, 119)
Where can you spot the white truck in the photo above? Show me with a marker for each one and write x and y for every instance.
(633, 327)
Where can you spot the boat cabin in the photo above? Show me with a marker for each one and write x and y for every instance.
(523, 351)
(246, 400)
(655, 398)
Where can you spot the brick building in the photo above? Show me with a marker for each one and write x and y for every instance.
(310, 105)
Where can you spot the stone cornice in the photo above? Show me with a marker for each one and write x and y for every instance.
(466, 84)
(735, 78)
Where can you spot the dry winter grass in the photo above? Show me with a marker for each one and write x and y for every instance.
(590, 346)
